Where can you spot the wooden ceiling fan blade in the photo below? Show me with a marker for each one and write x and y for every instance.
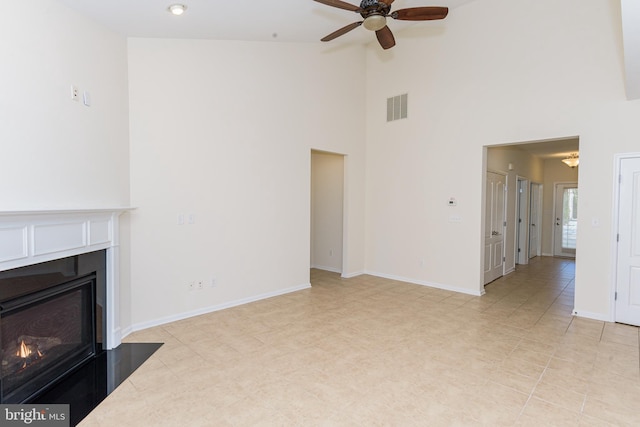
(385, 37)
(341, 31)
(426, 13)
(340, 4)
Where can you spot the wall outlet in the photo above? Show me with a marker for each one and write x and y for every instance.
(75, 94)
(200, 284)
(191, 286)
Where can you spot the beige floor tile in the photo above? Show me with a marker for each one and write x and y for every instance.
(520, 383)
(378, 352)
(617, 414)
(493, 404)
(538, 412)
(559, 396)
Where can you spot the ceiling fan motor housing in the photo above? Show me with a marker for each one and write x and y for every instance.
(373, 7)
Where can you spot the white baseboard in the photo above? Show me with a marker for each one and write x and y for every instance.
(429, 284)
(324, 268)
(353, 274)
(593, 316)
(181, 316)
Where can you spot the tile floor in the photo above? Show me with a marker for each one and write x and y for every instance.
(368, 351)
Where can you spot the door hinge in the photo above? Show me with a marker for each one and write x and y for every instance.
(504, 223)
(616, 297)
(504, 258)
(518, 250)
(618, 237)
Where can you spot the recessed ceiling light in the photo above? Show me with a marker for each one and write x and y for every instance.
(177, 9)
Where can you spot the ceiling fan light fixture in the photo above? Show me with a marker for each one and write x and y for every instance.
(572, 160)
(375, 22)
(177, 9)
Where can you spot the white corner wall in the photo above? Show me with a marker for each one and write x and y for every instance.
(493, 72)
(58, 153)
(222, 132)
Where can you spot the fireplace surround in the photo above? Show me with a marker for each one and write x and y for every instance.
(37, 236)
(74, 238)
(65, 262)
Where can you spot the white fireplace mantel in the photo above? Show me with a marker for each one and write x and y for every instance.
(35, 236)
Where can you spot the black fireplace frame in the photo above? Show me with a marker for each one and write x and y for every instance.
(58, 276)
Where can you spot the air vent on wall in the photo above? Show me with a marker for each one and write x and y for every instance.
(397, 107)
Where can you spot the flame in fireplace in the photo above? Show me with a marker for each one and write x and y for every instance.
(23, 350)
(26, 353)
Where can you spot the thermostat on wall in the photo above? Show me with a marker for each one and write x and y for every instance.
(452, 201)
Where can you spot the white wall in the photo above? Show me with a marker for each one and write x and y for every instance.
(327, 196)
(493, 72)
(224, 130)
(57, 153)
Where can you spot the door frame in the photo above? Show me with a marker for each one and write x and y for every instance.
(344, 207)
(522, 220)
(615, 227)
(555, 207)
(504, 215)
(538, 218)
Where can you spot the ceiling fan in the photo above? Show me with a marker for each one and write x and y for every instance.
(375, 13)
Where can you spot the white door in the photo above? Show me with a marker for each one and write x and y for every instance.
(522, 222)
(494, 227)
(535, 215)
(628, 265)
(566, 220)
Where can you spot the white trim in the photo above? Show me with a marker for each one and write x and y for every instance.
(354, 274)
(615, 227)
(211, 309)
(594, 316)
(553, 228)
(331, 269)
(55, 234)
(428, 284)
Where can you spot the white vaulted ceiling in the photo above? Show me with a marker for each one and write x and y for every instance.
(249, 20)
(292, 21)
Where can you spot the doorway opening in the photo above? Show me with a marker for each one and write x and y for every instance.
(327, 211)
(566, 219)
(532, 170)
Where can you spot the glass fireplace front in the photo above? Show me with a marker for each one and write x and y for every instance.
(44, 335)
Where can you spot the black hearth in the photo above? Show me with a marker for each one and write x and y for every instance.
(50, 322)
